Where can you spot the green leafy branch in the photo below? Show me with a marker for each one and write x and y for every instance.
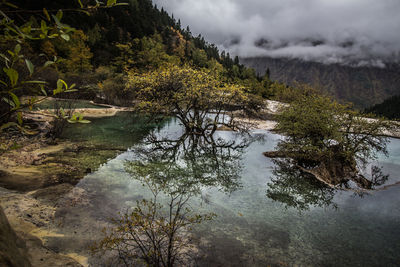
(50, 27)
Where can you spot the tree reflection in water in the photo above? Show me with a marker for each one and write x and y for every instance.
(155, 232)
(298, 189)
(191, 161)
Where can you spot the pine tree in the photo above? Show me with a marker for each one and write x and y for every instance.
(79, 54)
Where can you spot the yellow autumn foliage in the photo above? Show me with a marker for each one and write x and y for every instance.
(187, 93)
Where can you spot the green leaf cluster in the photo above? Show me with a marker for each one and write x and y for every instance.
(319, 130)
(13, 81)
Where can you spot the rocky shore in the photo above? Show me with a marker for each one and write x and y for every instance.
(33, 181)
(37, 177)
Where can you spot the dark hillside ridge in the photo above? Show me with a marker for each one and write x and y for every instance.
(390, 108)
(363, 86)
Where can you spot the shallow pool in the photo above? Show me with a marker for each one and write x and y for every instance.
(262, 219)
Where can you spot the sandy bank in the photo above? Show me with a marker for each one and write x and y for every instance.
(40, 179)
(48, 114)
(32, 216)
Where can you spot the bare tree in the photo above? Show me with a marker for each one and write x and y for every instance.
(153, 234)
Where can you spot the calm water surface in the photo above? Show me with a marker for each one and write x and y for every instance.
(260, 220)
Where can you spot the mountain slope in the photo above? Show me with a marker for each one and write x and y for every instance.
(390, 108)
(363, 86)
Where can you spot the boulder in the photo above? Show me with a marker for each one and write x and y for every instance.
(13, 251)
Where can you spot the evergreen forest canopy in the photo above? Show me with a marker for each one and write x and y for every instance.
(111, 42)
(389, 108)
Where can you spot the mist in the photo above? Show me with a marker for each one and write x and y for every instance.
(355, 32)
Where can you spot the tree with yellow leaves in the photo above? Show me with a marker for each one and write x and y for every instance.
(79, 53)
(200, 101)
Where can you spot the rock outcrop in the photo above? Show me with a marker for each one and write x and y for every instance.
(13, 251)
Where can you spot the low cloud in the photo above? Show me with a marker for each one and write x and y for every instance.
(357, 32)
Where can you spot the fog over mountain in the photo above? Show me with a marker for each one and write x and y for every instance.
(355, 32)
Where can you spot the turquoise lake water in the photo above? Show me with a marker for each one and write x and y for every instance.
(64, 103)
(262, 219)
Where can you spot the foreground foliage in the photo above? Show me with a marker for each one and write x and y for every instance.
(18, 74)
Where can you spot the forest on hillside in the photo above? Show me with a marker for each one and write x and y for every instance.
(126, 140)
(106, 45)
(389, 108)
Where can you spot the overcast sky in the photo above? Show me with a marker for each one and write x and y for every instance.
(356, 31)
